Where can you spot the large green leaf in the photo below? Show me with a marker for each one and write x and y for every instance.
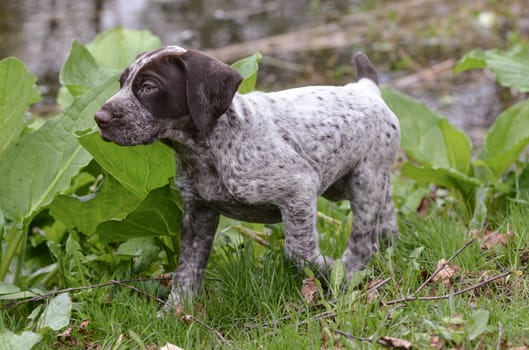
(112, 201)
(81, 71)
(427, 137)
(479, 216)
(2, 227)
(511, 67)
(8, 288)
(477, 324)
(113, 49)
(57, 314)
(144, 252)
(449, 178)
(139, 168)
(506, 139)
(117, 48)
(17, 92)
(248, 68)
(43, 163)
(159, 214)
(11, 341)
(475, 59)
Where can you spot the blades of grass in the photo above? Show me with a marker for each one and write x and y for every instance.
(137, 339)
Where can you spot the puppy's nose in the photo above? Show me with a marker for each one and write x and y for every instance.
(102, 117)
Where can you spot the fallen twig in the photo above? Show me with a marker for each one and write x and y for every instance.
(322, 315)
(500, 336)
(447, 296)
(353, 337)
(427, 74)
(208, 327)
(443, 265)
(378, 285)
(329, 219)
(119, 283)
(387, 342)
(92, 286)
(253, 235)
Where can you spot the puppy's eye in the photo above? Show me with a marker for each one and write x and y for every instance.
(147, 88)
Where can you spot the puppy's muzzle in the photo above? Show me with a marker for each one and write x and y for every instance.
(103, 118)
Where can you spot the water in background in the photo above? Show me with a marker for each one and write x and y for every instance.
(306, 41)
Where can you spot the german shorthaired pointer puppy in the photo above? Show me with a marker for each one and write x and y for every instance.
(260, 157)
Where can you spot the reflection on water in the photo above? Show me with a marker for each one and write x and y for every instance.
(40, 31)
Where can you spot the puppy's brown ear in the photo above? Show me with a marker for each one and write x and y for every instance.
(210, 87)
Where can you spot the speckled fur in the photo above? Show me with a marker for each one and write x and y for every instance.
(267, 159)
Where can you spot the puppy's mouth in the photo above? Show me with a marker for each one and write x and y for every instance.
(105, 121)
(107, 124)
(104, 135)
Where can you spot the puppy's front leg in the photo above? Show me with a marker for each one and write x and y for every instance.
(197, 234)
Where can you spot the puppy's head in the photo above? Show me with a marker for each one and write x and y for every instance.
(161, 88)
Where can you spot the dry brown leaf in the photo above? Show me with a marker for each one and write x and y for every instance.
(83, 326)
(67, 332)
(165, 279)
(424, 206)
(309, 290)
(169, 346)
(445, 272)
(436, 342)
(179, 309)
(91, 346)
(490, 239)
(187, 318)
(395, 343)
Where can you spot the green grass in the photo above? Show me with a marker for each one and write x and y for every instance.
(252, 297)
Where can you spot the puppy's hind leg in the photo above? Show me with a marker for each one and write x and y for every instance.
(367, 194)
(388, 222)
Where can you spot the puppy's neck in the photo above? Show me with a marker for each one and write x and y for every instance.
(181, 132)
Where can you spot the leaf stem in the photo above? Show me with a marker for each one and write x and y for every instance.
(12, 248)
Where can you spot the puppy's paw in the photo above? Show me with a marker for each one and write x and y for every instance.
(173, 306)
(323, 264)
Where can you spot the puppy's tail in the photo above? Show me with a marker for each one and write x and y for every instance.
(364, 68)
